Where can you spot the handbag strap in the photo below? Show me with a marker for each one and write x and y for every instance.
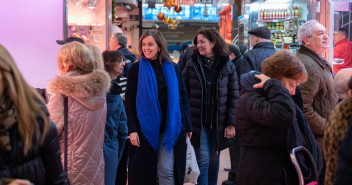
(65, 130)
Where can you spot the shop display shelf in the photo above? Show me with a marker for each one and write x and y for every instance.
(277, 20)
(278, 31)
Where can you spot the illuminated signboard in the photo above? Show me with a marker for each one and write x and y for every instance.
(188, 13)
(185, 2)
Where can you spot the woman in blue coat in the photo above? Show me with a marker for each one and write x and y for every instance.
(116, 121)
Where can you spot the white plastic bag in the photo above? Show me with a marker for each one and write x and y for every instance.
(192, 169)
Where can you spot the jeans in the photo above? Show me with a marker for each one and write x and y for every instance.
(166, 163)
(207, 158)
(113, 150)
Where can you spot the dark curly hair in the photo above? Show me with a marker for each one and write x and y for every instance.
(220, 47)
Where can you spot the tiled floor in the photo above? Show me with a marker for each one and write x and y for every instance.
(224, 162)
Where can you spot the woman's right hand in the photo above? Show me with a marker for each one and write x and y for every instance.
(263, 79)
(134, 138)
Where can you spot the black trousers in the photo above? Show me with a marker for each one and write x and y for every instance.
(235, 153)
(121, 174)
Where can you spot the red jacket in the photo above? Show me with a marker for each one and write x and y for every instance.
(343, 49)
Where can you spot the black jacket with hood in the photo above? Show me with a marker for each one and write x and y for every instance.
(262, 119)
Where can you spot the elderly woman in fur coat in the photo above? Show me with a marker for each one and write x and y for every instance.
(85, 88)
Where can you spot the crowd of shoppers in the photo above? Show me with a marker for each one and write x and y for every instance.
(259, 103)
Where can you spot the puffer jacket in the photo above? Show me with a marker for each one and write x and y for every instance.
(42, 164)
(86, 122)
(227, 93)
(262, 118)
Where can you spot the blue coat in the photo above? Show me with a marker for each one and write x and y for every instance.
(115, 135)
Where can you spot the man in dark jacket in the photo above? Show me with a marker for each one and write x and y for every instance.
(262, 49)
(118, 42)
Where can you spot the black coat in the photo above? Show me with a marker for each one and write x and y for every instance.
(252, 59)
(184, 57)
(42, 164)
(344, 164)
(142, 167)
(227, 93)
(262, 117)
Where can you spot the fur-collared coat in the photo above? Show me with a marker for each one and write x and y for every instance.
(86, 122)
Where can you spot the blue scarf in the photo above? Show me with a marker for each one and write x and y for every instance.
(148, 107)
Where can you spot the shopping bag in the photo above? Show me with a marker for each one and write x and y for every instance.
(192, 169)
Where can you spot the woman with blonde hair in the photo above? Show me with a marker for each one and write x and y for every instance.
(98, 58)
(29, 145)
(85, 90)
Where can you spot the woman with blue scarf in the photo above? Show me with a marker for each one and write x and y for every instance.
(158, 116)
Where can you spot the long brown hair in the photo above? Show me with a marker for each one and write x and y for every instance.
(163, 55)
(26, 100)
(220, 47)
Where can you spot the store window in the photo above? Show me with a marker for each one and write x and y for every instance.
(282, 17)
(87, 19)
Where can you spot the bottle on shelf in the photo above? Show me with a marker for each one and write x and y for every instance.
(299, 13)
(296, 12)
(288, 13)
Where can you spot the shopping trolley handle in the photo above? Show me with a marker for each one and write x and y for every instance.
(297, 166)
